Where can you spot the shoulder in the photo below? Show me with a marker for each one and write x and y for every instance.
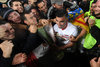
(71, 25)
(55, 26)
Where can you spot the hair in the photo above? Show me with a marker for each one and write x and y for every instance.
(3, 22)
(28, 11)
(32, 7)
(11, 2)
(94, 1)
(39, 1)
(61, 13)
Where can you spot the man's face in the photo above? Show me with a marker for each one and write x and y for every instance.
(92, 7)
(31, 1)
(6, 32)
(42, 6)
(17, 6)
(14, 17)
(97, 9)
(35, 13)
(61, 22)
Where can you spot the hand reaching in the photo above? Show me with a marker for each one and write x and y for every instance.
(93, 63)
(6, 47)
(91, 22)
(19, 58)
(72, 38)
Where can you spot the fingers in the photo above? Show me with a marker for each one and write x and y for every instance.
(19, 58)
(44, 22)
(6, 44)
(6, 48)
(99, 59)
(24, 57)
(91, 21)
(93, 60)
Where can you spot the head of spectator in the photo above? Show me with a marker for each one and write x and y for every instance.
(31, 16)
(57, 3)
(10, 15)
(92, 7)
(42, 6)
(34, 12)
(17, 5)
(6, 31)
(97, 9)
(30, 2)
(60, 19)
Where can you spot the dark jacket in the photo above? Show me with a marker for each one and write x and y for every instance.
(24, 42)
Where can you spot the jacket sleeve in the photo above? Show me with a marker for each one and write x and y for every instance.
(5, 62)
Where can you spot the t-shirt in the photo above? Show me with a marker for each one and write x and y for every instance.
(66, 33)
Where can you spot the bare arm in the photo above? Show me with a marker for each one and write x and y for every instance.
(82, 33)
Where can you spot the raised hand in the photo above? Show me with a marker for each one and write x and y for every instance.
(19, 58)
(91, 22)
(44, 22)
(6, 48)
(94, 63)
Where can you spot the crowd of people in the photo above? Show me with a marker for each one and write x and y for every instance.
(49, 33)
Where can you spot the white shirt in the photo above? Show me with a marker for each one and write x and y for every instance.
(67, 32)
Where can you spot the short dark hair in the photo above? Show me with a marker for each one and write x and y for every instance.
(61, 13)
(39, 1)
(94, 1)
(3, 22)
(11, 2)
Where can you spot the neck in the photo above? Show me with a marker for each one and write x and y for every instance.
(65, 26)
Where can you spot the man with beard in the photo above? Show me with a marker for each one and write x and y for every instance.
(10, 15)
(64, 29)
(64, 32)
(43, 6)
(16, 5)
(31, 16)
(75, 16)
